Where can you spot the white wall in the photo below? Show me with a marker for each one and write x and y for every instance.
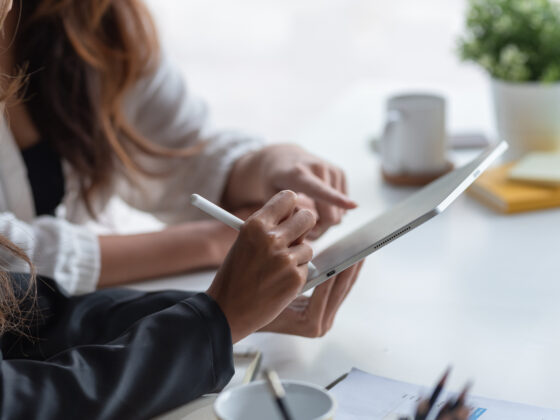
(270, 66)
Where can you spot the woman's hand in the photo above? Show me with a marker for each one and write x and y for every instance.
(257, 176)
(314, 316)
(266, 267)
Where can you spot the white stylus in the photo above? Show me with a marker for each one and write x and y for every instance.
(229, 219)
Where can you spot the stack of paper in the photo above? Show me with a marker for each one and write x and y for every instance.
(364, 396)
(496, 189)
(538, 168)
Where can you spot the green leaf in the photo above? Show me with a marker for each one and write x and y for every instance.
(515, 40)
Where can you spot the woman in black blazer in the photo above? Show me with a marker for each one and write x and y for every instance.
(125, 354)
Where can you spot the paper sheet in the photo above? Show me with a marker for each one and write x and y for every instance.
(364, 396)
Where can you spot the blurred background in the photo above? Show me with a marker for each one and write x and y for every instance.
(270, 66)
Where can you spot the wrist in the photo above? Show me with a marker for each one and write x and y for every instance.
(198, 244)
(230, 318)
(244, 186)
(219, 239)
(214, 240)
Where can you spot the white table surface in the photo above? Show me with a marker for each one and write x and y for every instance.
(470, 288)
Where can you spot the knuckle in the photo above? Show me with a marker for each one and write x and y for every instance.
(255, 231)
(314, 330)
(307, 251)
(318, 167)
(290, 260)
(284, 259)
(253, 225)
(273, 238)
(298, 170)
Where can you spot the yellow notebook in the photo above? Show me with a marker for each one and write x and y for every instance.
(507, 196)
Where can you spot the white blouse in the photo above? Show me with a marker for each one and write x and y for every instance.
(162, 109)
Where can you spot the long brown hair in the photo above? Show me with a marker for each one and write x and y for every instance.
(15, 311)
(82, 56)
(12, 315)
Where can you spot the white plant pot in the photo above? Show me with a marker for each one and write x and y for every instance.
(527, 116)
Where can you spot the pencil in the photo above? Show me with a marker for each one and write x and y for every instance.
(277, 390)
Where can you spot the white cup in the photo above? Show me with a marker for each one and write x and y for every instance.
(255, 402)
(414, 139)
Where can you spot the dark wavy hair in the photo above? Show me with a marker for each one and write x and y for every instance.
(81, 58)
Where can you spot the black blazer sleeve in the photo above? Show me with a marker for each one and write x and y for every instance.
(162, 360)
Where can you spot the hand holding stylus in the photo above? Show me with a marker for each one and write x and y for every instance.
(227, 218)
(266, 267)
(270, 255)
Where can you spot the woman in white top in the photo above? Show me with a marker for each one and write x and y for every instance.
(104, 113)
(92, 353)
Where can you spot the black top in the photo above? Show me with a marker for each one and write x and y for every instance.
(113, 354)
(44, 170)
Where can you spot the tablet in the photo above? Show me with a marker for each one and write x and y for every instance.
(399, 220)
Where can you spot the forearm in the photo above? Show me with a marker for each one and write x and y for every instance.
(129, 258)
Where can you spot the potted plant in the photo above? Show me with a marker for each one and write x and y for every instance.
(518, 43)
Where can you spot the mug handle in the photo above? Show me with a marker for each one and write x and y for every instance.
(387, 147)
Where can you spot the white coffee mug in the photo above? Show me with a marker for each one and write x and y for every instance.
(255, 402)
(414, 139)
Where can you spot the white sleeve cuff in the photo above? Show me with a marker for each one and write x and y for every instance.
(67, 253)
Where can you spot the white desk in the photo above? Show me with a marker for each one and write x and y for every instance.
(470, 288)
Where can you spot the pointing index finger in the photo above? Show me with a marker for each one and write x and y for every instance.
(311, 185)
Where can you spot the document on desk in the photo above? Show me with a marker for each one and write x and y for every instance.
(362, 396)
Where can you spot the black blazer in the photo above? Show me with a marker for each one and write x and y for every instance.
(113, 354)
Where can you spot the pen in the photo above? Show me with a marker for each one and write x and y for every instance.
(277, 390)
(229, 219)
(424, 411)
